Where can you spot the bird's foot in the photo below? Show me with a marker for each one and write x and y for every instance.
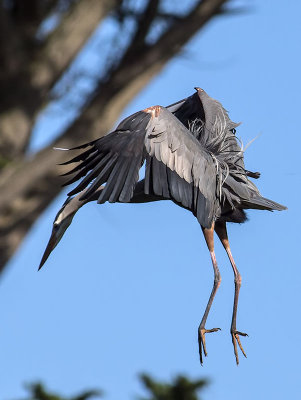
(202, 342)
(236, 340)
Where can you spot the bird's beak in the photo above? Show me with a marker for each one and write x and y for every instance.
(56, 235)
(50, 246)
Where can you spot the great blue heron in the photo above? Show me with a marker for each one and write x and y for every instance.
(192, 158)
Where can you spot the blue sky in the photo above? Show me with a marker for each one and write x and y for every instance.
(125, 290)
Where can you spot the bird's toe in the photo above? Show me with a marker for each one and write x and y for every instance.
(202, 341)
(236, 340)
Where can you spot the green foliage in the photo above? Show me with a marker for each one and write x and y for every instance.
(180, 389)
(37, 391)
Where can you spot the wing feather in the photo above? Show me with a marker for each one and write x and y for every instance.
(102, 176)
(92, 175)
(114, 160)
(128, 188)
(115, 182)
(187, 165)
(85, 166)
(80, 157)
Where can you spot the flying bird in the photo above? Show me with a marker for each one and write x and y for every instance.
(192, 157)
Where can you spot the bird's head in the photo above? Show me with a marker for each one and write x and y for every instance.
(61, 222)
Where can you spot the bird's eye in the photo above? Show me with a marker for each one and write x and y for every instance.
(233, 130)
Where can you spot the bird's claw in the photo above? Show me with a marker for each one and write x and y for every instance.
(202, 341)
(235, 339)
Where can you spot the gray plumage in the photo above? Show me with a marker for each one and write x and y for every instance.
(192, 157)
(203, 168)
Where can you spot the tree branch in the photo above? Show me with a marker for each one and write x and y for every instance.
(26, 92)
(145, 22)
(65, 41)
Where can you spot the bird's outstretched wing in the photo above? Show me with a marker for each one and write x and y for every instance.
(114, 159)
(178, 167)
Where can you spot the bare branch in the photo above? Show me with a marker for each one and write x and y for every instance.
(65, 41)
(145, 22)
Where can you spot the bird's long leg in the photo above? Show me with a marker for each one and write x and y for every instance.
(209, 237)
(221, 230)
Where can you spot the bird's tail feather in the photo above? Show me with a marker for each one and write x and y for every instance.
(262, 203)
